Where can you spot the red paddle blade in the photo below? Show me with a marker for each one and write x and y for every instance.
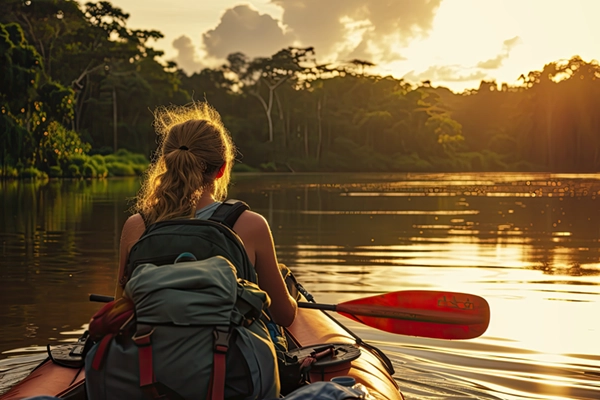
(425, 313)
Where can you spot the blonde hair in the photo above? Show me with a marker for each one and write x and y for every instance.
(193, 146)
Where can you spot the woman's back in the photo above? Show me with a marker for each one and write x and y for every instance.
(189, 179)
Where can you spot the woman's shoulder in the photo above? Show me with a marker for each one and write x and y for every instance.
(252, 216)
(134, 220)
(133, 228)
(251, 222)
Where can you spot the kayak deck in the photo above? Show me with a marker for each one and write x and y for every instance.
(49, 379)
(311, 327)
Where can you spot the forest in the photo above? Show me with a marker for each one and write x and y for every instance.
(78, 87)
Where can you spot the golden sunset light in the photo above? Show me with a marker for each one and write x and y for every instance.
(452, 43)
(300, 199)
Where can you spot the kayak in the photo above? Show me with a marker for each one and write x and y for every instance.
(367, 366)
(312, 327)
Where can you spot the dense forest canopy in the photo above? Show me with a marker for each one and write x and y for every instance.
(76, 82)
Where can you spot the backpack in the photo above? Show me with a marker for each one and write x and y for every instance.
(194, 329)
(164, 241)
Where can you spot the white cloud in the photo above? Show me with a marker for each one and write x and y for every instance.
(496, 62)
(445, 73)
(244, 29)
(379, 25)
(338, 30)
(187, 57)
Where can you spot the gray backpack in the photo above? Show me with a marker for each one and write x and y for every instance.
(195, 330)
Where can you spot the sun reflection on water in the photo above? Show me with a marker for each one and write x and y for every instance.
(528, 243)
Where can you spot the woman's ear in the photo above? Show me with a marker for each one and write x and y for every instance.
(221, 171)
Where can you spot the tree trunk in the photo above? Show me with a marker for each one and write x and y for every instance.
(319, 129)
(269, 118)
(281, 119)
(270, 103)
(549, 148)
(114, 95)
(306, 138)
(267, 113)
(287, 127)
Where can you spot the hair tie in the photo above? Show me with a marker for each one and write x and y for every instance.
(183, 148)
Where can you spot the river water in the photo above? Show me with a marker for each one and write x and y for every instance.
(528, 243)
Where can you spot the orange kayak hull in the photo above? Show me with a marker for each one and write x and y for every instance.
(311, 327)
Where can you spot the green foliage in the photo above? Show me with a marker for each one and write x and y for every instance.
(99, 165)
(33, 173)
(268, 167)
(101, 171)
(88, 171)
(98, 160)
(117, 168)
(61, 146)
(122, 163)
(78, 159)
(9, 172)
(73, 171)
(239, 167)
(125, 163)
(301, 164)
(411, 163)
(66, 67)
(55, 171)
(132, 158)
(482, 161)
(503, 144)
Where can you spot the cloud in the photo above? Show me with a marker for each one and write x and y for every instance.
(338, 30)
(509, 44)
(496, 62)
(360, 52)
(445, 73)
(493, 63)
(186, 58)
(355, 27)
(457, 73)
(243, 29)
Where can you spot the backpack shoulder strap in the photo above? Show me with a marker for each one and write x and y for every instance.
(145, 219)
(229, 212)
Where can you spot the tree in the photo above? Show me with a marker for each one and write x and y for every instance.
(272, 72)
(30, 101)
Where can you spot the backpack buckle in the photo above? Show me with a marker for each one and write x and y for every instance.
(221, 335)
(141, 337)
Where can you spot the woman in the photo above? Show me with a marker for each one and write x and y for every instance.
(189, 180)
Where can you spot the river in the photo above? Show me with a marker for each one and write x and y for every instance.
(528, 243)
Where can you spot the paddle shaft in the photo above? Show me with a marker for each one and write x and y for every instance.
(406, 314)
(101, 298)
(387, 363)
(423, 313)
(366, 311)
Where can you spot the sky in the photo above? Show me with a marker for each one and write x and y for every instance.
(452, 43)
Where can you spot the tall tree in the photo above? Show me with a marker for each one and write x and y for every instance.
(270, 73)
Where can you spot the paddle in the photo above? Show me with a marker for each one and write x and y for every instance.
(424, 313)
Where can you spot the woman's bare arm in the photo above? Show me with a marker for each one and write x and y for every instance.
(254, 231)
(132, 230)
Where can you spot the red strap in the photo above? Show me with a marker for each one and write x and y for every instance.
(101, 351)
(216, 388)
(315, 356)
(147, 378)
(146, 370)
(218, 377)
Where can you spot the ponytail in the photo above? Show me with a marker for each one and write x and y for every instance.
(191, 153)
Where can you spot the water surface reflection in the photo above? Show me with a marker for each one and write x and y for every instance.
(528, 243)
